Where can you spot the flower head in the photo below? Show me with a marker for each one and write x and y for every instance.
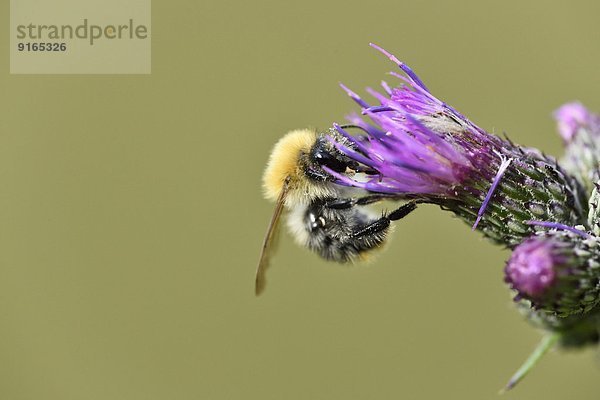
(421, 147)
(419, 144)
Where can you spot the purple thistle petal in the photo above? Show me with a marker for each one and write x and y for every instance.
(386, 87)
(380, 97)
(378, 109)
(354, 96)
(402, 66)
(490, 193)
(559, 226)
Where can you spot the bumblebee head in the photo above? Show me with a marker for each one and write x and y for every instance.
(294, 166)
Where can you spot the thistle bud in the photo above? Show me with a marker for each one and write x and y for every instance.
(580, 130)
(557, 272)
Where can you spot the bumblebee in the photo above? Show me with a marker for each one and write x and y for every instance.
(329, 219)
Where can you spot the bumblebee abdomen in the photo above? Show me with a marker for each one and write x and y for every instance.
(344, 251)
(334, 234)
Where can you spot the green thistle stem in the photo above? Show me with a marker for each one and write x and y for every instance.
(547, 342)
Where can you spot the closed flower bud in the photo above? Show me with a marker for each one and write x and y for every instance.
(580, 130)
(557, 272)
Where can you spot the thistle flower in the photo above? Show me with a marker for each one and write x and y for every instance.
(423, 148)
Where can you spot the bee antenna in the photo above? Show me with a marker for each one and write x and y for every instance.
(354, 126)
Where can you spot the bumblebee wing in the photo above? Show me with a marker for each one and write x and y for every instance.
(263, 262)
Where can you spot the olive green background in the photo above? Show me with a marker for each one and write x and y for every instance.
(131, 213)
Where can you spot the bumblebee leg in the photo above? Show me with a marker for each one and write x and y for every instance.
(402, 211)
(342, 204)
(384, 222)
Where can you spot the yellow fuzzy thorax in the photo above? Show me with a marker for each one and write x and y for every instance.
(286, 162)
